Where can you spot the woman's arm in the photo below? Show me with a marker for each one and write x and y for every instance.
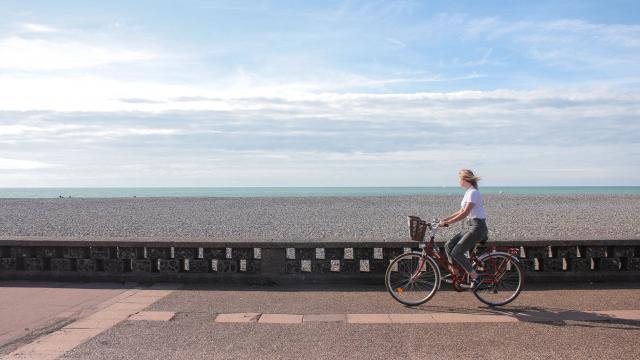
(458, 215)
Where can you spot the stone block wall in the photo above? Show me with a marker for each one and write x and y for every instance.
(212, 261)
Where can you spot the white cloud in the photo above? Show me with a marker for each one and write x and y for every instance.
(37, 28)
(40, 54)
(16, 164)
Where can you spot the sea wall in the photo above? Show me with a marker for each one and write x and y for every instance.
(282, 263)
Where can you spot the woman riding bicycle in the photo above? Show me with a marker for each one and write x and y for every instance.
(472, 210)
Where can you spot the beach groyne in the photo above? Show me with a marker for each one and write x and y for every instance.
(283, 263)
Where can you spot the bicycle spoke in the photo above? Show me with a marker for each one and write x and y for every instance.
(415, 281)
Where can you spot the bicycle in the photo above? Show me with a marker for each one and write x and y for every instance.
(414, 278)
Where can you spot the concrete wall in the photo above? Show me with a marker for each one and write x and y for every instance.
(288, 262)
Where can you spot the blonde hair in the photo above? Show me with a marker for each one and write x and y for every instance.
(467, 175)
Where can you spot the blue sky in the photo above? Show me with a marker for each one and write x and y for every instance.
(318, 93)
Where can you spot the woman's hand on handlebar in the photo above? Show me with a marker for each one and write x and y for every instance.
(442, 223)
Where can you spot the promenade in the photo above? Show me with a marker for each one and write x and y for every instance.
(203, 321)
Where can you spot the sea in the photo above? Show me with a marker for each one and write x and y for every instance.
(144, 192)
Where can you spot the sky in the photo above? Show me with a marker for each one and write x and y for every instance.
(318, 93)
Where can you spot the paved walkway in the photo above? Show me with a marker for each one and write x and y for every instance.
(204, 322)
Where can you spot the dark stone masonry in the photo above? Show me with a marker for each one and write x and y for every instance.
(275, 263)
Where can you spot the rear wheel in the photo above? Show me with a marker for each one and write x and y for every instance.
(411, 279)
(502, 280)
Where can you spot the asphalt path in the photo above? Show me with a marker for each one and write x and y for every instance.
(192, 333)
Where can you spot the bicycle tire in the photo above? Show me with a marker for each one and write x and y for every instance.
(399, 283)
(500, 287)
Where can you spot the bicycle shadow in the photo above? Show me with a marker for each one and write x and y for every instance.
(549, 316)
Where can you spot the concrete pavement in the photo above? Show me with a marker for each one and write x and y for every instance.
(365, 322)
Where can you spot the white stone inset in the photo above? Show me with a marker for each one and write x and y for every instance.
(173, 252)
(186, 264)
(214, 265)
(305, 265)
(257, 253)
(394, 267)
(377, 253)
(291, 253)
(200, 253)
(228, 253)
(335, 265)
(243, 265)
(407, 250)
(320, 253)
(364, 265)
(348, 253)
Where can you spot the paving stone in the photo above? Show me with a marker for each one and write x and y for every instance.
(324, 318)
(368, 319)
(153, 316)
(237, 318)
(280, 319)
(470, 318)
(410, 318)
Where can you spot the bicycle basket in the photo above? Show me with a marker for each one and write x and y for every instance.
(417, 228)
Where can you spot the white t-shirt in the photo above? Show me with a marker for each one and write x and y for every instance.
(473, 196)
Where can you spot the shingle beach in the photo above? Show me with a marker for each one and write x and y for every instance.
(510, 217)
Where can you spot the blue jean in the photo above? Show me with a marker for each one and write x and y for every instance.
(474, 232)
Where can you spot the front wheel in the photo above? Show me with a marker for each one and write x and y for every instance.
(412, 279)
(502, 281)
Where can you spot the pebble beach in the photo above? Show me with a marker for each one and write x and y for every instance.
(375, 218)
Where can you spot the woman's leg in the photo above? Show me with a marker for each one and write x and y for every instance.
(449, 245)
(466, 243)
